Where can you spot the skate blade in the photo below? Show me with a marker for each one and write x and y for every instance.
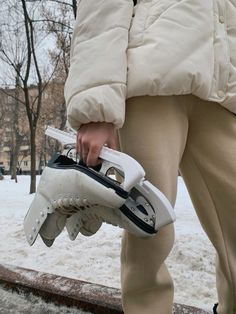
(148, 209)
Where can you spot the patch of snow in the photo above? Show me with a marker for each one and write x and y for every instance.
(13, 303)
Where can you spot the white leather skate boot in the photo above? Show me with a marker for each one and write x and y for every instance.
(66, 188)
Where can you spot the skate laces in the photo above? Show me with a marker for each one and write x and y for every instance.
(71, 205)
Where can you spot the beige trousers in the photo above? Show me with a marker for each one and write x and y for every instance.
(167, 134)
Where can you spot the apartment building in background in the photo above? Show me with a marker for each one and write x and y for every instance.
(52, 113)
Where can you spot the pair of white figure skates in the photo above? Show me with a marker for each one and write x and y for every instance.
(79, 198)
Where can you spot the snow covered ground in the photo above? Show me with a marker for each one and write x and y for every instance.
(96, 258)
(14, 303)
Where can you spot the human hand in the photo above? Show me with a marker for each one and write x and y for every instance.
(90, 139)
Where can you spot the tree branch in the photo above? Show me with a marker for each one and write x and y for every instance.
(52, 21)
(9, 62)
(49, 80)
(27, 32)
(62, 2)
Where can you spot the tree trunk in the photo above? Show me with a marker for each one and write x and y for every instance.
(15, 157)
(33, 161)
(14, 164)
(11, 161)
(74, 4)
(41, 159)
(17, 138)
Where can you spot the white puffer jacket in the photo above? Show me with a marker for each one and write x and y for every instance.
(158, 47)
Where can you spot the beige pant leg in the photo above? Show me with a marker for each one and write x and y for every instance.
(209, 170)
(154, 134)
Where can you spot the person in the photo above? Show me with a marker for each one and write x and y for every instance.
(162, 73)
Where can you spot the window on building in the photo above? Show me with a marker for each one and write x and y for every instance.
(25, 163)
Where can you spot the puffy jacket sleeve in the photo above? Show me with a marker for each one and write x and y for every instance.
(95, 90)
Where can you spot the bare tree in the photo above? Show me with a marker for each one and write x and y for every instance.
(26, 24)
(13, 54)
(59, 24)
(27, 70)
(19, 130)
(23, 70)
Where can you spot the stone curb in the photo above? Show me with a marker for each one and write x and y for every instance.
(84, 295)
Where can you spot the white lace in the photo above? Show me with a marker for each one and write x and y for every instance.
(70, 205)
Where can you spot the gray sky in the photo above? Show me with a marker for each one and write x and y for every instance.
(15, 43)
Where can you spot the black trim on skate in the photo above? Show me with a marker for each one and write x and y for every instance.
(64, 162)
(138, 222)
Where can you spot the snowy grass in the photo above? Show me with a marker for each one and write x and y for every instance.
(96, 258)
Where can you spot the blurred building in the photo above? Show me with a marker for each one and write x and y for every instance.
(52, 113)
